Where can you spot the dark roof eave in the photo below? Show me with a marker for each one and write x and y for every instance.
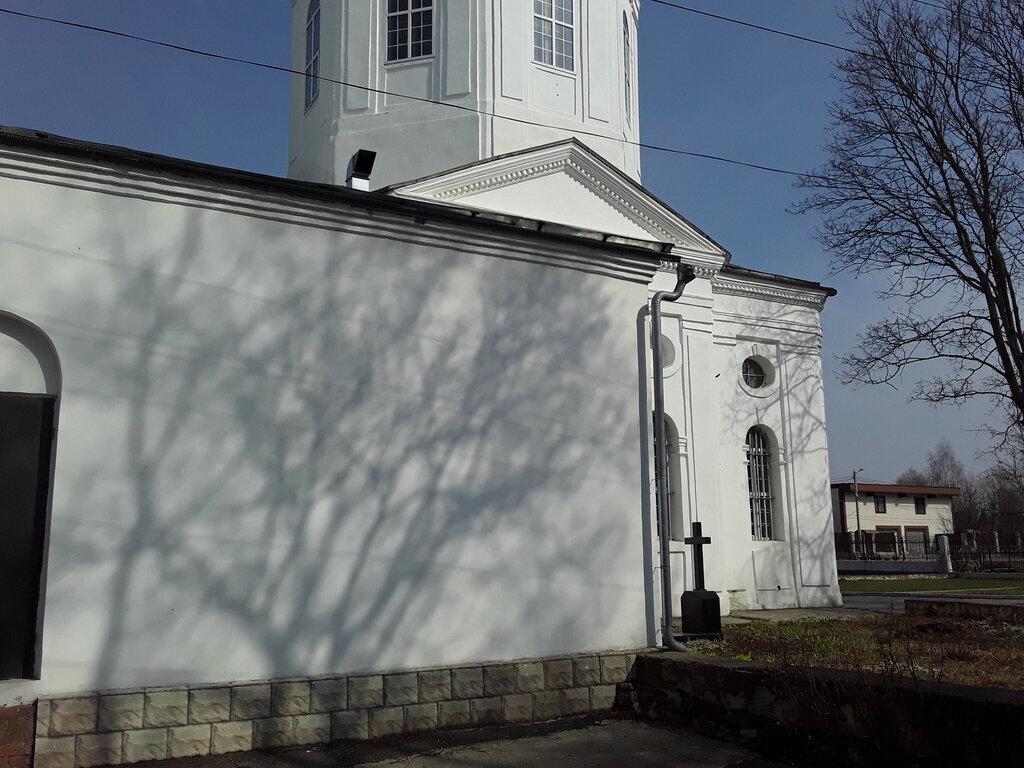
(417, 208)
(919, 490)
(779, 279)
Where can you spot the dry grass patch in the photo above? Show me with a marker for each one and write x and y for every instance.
(979, 653)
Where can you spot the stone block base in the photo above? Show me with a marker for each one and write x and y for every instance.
(121, 727)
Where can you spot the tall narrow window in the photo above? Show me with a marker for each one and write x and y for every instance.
(553, 33)
(627, 55)
(759, 484)
(312, 52)
(410, 29)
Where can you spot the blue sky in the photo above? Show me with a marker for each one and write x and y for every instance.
(705, 86)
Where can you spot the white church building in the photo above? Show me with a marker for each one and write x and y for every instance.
(369, 449)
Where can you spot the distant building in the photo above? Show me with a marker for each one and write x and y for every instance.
(913, 513)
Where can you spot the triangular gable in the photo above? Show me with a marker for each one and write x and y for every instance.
(565, 183)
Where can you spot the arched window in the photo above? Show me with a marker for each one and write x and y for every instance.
(627, 55)
(312, 52)
(759, 483)
(676, 491)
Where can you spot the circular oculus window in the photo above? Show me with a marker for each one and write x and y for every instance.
(754, 375)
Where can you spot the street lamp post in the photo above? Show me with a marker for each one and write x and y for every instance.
(856, 505)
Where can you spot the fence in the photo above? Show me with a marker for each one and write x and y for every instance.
(882, 545)
(987, 559)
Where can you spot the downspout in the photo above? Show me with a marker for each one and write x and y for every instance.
(684, 274)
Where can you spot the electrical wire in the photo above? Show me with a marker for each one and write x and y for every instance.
(751, 25)
(507, 118)
(369, 89)
(815, 41)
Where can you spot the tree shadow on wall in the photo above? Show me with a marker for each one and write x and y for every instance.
(796, 423)
(320, 452)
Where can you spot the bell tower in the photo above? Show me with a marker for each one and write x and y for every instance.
(431, 85)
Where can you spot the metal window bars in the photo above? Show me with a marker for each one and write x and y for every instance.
(759, 484)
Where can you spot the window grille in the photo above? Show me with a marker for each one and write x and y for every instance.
(410, 29)
(880, 505)
(753, 374)
(553, 30)
(759, 483)
(312, 52)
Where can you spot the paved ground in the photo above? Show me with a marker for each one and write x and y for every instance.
(892, 602)
(577, 742)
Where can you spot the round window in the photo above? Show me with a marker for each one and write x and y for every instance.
(753, 374)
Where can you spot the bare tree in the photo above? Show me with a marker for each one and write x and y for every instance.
(912, 476)
(924, 185)
(944, 468)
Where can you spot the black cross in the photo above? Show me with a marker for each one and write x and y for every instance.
(697, 541)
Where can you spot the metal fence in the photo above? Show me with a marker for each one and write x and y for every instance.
(882, 545)
(987, 559)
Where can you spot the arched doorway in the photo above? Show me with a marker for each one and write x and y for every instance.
(29, 391)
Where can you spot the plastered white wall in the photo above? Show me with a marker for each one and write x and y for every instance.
(298, 448)
(483, 62)
(711, 333)
(546, 198)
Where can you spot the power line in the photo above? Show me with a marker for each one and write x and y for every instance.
(815, 41)
(751, 25)
(930, 5)
(460, 107)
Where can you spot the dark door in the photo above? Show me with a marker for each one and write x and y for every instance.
(26, 433)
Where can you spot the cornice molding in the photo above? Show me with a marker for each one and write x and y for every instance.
(368, 220)
(756, 290)
(581, 165)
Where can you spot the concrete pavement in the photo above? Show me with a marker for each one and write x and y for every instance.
(576, 742)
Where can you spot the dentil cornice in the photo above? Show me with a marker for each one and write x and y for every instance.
(583, 166)
(730, 286)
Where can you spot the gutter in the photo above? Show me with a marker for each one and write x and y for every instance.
(684, 274)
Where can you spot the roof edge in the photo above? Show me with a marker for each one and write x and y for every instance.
(796, 282)
(31, 138)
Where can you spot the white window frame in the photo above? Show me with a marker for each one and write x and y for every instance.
(408, 17)
(627, 63)
(312, 81)
(554, 34)
(759, 484)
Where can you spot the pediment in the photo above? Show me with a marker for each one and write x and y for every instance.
(565, 183)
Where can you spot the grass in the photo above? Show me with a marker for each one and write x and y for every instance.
(951, 585)
(981, 653)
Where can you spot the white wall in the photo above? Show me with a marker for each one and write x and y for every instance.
(712, 333)
(483, 61)
(299, 439)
